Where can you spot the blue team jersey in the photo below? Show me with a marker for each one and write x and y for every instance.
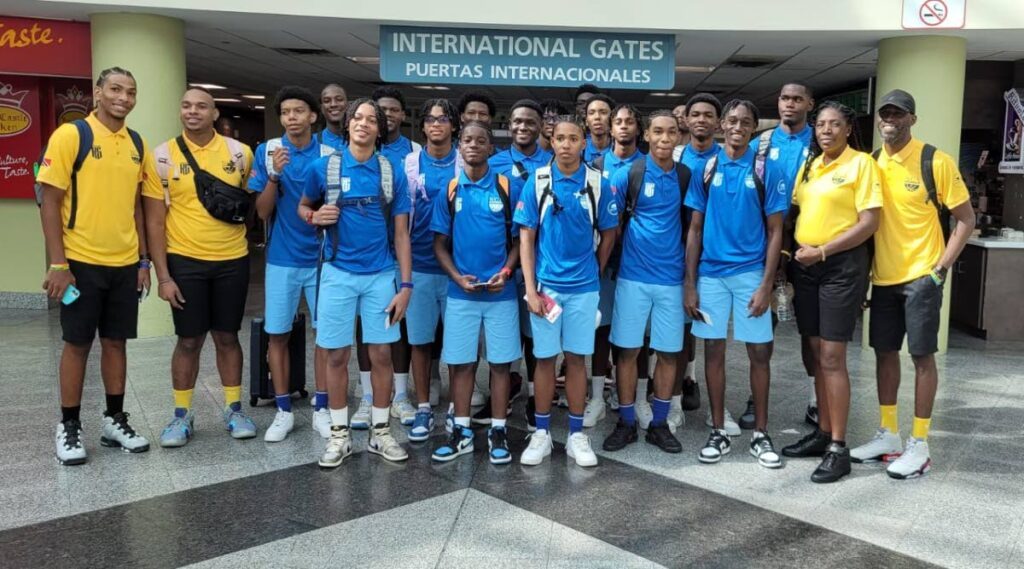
(696, 161)
(652, 246)
(362, 234)
(612, 163)
(478, 233)
(734, 226)
(293, 242)
(397, 151)
(565, 259)
(591, 152)
(435, 173)
(504, 162)
(786, 153)
(328, 138)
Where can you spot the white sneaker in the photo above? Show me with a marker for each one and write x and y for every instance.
(676, 418)
(384, 444)
(644, 413)
(886, 446)
(283, 424)
(594, 412)
(322, 422)
(478, 398)
(613, 399)
(731, 427)
(339, 447)
(403, 410)
(578, 448)
(914, 461)
(70, 449)
(361, 420)
(117, 433)
(540, 447)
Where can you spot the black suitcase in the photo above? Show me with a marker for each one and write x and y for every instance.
(260, 386)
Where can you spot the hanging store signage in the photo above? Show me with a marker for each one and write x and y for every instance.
(1013, 134)
(527, 58)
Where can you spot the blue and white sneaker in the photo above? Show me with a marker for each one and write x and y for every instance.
(461, 442)
(361, 419)
(239, 424)
(422, 426)
(497, 444)
(178, 432)
(449, 419)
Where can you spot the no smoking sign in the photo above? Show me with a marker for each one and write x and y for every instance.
(934, 14)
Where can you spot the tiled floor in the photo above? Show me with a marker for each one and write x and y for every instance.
(967, 512)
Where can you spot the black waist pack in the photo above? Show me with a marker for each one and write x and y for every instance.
(222, 200)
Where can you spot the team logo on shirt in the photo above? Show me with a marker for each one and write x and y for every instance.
(649, 189)
(717, 181)
(613, 207)
(911, 185)
(782, 188)
(136, 159)
(838, 179)
(346, 184)
(494, 204)
(184, 169)
(773, 154)
(97, 152)
(458, 204)
(229, 167)
(749, 182)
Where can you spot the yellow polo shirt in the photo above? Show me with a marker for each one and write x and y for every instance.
(833, 196)
(909, 241)
(108, 186)
(191, 230)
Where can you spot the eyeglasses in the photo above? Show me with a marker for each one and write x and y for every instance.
(431, 119)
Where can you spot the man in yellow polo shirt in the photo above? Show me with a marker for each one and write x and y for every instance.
(202, 263)
(92, 224)
(908, 274)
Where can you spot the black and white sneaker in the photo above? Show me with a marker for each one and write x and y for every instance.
(719, 444)
(811, 415)
(762, 448)
(70, 450)
(118, 433)
(747, 419)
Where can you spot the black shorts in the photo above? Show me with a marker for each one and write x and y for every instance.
(912, 309)
(109, 302)
(828, 295)
(214, 292)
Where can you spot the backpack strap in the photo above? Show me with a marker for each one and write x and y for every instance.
(876, 154)
(677, 152)
(683, 175)
(709, 172)
(237, 151)
(519, 170)
(544, 195)
(387, 196)
(506, 205)
(162, 157)
(764, 143)
(140, 147)
(636, 180)
(85, 141)
(268, 159)
(599, 163)
(593, 192)
(411, 165)
(928, 174)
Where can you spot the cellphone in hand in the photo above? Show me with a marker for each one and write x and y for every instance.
(71, 294)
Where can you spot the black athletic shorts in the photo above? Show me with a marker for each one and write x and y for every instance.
(109, 303)
(912, 309)
(214, 291)
(828, 295)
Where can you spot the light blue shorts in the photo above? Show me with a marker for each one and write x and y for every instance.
(284, 286)
(426, 307)
(718, 296)
(342, 294)
(607, 302)
(573, 332)
(636, 303)
(463, 319)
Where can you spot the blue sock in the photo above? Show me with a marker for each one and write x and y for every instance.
(575, 423)
(236, 406)
(320, 398)
(660, 408)
(543, 421)
(628, 413)
(180, 412)
(284, 402)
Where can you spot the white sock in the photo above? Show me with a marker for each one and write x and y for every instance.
(677, 402)
(378, 416)
(689, 370)
(529, 388)
(401, 383)
(498, 423)
(597, 386)
(814, 394)
(339, 416)
(424, 407)
(366, 384)
(641, 389)
(464, 421)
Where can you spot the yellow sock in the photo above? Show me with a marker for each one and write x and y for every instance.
(183, 399)
(921, 428)
(890, 418)
(232, 395)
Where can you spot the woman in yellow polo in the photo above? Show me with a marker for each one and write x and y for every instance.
(836, 204)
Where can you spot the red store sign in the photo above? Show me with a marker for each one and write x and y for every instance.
(45, 47)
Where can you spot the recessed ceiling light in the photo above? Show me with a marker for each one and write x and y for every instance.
(210, 86)
(227, 100)
(254, 97)
(259, 107)
(363, 60)
(237, 116)
(431, 87)
(695, 68)
(667, 94)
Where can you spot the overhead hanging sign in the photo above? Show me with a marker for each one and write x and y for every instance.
(528, 58)
(934, 14)
(1013, 134)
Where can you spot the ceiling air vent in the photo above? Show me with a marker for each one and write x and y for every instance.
(752, 61)
(305, 51)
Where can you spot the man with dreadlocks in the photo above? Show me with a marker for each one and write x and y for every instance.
(428, 172)
(365, 214)
(598, 112)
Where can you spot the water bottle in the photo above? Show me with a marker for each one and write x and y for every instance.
(782, 300)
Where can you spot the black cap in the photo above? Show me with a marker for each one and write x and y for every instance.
(899, 99)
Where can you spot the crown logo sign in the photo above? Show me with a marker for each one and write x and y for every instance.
(74, 99)
(10, 98)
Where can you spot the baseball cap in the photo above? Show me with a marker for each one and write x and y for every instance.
(899, 99)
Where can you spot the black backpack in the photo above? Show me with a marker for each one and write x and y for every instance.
(928, 177)
(85, 140)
